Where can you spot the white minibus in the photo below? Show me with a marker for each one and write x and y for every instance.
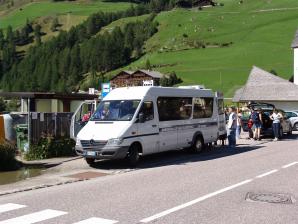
(134, 121)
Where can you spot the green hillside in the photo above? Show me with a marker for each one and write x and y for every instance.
(31, 11)
(218, 46)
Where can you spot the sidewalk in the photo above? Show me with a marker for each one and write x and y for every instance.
(57, 171)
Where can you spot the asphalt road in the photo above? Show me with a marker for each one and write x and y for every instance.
(175, 187)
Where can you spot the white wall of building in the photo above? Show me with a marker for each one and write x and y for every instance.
(296, 66)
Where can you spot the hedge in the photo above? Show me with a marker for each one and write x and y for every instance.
(7, 157)
(49, 148)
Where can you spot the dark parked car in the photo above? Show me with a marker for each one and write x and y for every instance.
(267, 110)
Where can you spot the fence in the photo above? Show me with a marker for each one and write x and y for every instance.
(49, 124)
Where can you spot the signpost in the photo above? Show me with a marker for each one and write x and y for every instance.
(105, 89)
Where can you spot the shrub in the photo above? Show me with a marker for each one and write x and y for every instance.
(49, 148)
(7, 156)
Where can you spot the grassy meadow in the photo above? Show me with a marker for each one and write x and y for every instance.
(258, 32)
(33, 10)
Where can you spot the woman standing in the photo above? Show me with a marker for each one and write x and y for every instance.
(232, 124)
(239, 124)
(275, 116)
(257, 123)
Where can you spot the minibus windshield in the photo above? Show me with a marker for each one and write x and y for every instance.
(115, 110)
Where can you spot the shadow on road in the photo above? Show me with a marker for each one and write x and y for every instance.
(181, 157)
(176, 157)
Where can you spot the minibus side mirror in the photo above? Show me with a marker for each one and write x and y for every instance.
(141, 118)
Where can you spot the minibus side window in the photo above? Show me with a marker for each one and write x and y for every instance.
(174, 108)
(148, 110)
(203, 108)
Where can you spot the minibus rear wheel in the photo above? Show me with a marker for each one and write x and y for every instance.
(198, 145)
(90, 161)
(133, 155)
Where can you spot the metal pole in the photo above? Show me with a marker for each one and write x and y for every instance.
(22, 105)
(29, 121)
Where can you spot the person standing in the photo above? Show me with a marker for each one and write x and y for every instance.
(239, 124)
(232, 125)
(276, 116)
(257, 123)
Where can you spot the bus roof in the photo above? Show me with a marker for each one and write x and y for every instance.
(139, 92)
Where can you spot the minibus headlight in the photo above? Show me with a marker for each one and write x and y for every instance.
(115, 141)
(78, 142)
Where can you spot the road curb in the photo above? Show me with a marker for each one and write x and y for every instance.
(40, 187)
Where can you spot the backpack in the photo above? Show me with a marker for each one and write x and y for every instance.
(255, 117)
(249, 124)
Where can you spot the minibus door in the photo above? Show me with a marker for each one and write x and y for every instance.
(81, 117)
(147, 128)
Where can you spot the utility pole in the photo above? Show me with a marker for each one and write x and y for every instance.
(29, 121)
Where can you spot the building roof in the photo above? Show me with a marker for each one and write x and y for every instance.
(295, 41)
(128, 72)
(264, 86)
(125, 71)
(48, 95)
(154, 74)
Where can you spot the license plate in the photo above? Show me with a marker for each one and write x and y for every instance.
(90, 153)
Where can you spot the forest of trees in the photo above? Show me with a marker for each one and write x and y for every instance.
(59, 64)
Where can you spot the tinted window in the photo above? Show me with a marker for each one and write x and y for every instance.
(203, 107)
(174, 108)
(148, 110)
(291, 114)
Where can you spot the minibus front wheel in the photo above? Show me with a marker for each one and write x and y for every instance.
(133, 155)
(198, 144)
(90, 161)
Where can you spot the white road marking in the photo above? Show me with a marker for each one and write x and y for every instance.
(95, 220)
(34, 217)
(267, 173)
(169, 211)
(10, 206)
(290, 164)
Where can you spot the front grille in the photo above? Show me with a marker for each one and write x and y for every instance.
(93, 144)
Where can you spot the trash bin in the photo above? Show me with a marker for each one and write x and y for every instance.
(22, 136)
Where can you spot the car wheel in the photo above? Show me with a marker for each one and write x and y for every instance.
(90, 161)
(290, 131)
(296, 126)
(198, 145)
(133, 155)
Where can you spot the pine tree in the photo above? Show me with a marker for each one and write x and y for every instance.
(28, 27)
(54, 25)
(2, 39)
(2, 105)
(9, 34)
(93, 81)
(148, 65)
(37, 34)
(24, 36)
